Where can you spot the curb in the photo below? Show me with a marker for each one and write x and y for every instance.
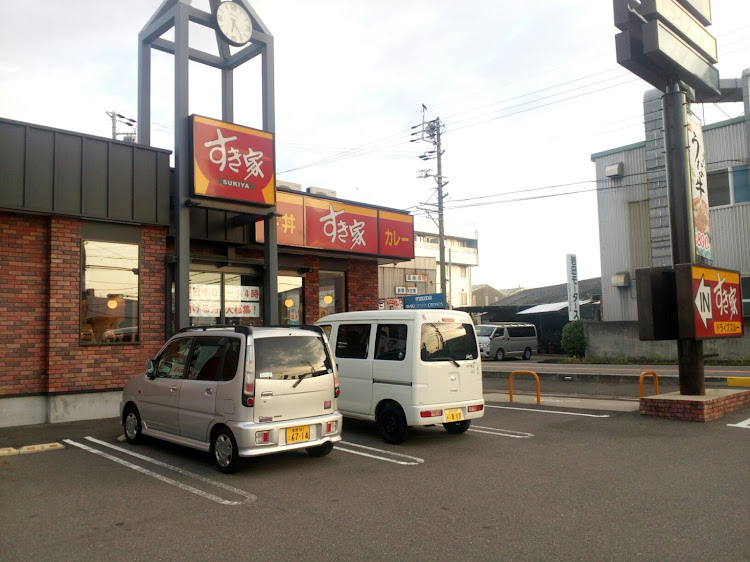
(28, 449)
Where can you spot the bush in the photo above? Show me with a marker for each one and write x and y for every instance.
(573, 339)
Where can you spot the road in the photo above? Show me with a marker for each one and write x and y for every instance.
(524, 483)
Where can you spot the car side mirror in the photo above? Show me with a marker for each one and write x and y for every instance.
(150, 369)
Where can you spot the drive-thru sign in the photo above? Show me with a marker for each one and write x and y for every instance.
(713, 298)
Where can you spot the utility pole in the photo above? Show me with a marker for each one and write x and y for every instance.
(122, 119)
(430, 132)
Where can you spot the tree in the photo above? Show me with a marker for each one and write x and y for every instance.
(574, 339)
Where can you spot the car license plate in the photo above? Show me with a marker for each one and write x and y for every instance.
(453, 414)
(297, 434)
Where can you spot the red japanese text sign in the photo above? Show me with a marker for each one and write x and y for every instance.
(715, 302)
(331, 225)
(232, 162)
(396, 235)
(290, 225)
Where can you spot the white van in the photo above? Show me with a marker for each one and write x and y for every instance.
(507, 339)
(403, 368)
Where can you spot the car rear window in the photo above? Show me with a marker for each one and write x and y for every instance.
(445, 341)
(288, 358)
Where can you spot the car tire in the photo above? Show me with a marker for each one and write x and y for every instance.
(527, 354)
(500, 354)
(392, 424)
(320, 450)
(225, 451)
(457, 427)
(131, 423)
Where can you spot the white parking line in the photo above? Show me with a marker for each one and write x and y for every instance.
(743, 424)
(501, 432)
(243, 493)
(153, 474)
(416, 460)
(548, 411)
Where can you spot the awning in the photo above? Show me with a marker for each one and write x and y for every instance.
(550, 307)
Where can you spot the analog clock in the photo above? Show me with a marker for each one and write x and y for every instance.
(233, 23)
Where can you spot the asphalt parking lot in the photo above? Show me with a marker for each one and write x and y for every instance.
(526, 482)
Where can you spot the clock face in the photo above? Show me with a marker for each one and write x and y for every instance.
(233, 22)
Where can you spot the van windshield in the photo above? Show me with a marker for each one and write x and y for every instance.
(448, 341)
(484, 330)
(289, 358)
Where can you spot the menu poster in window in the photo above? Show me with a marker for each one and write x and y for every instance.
(241, 293)
(232, 162)
(242, 309)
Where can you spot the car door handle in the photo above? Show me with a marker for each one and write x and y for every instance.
(173, 388)
(209, 391)
(267, 393)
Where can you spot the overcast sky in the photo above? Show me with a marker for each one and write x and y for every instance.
(527, 92)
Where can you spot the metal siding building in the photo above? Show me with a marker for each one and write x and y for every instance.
(616, 196)
(634, 225)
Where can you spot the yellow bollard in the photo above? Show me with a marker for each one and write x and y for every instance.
(538, 393)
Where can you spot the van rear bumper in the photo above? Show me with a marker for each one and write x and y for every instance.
(414, 413)
(245, 434)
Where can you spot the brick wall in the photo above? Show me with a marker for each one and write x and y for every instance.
(311, 287)
(705, 410)
(40, 310)
(24, 298)
(362, 285)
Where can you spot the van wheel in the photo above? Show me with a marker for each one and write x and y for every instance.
(457, 427)
(527, 354)
(132, 425)
(225, 451)
(320, 450)
(392, 424)
(500, 355)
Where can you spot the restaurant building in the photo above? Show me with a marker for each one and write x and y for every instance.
(87, 266)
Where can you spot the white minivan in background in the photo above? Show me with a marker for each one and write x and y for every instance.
(507, 339)
(403, 368)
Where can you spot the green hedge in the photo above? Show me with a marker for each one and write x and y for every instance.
(573, 339)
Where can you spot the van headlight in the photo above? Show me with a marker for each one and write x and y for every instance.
(485, 345)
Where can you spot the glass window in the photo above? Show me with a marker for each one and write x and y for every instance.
(485, 330)
(521, 332)
(286, 358)
(109, 282)
(243, 295)
(352, 341)
(205, 298)
(290, 300)
(741, 184)
(390, 345)
(214, 359)
(745, 290)
(718, 189)
(327, 329)
(171, 363)
(448, 341)
(331, 294)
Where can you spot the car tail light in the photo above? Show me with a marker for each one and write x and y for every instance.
(331, 427)
(336, 384)
(261, 438)
(477, 408)
(248, 394)
(431, 413)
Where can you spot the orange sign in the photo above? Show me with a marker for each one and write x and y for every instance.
(232, 162)
(716, 302)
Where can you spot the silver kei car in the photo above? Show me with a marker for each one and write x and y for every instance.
(238, 392)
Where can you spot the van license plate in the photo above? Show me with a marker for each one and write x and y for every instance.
(297, 434)
(452, 414)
